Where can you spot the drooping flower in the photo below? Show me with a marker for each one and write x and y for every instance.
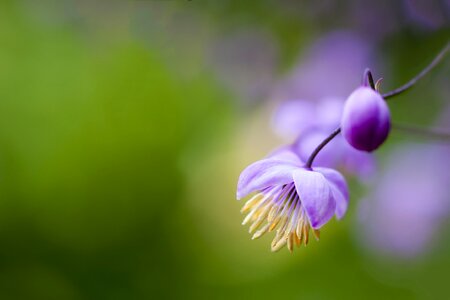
(366, 119)
(290, 199)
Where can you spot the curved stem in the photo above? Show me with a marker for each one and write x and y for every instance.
(413, 81)
(368, 79)
(323, 144)
(433, 133)
(390, 94)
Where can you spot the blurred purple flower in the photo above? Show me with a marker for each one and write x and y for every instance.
(290, 197)
(426, 13)
(330, 68)
(410, 202)
(295, 117)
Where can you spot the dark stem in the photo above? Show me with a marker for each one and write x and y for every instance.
(433, 133)
(318, 148)
(368, 79)
(413, 81)
(390, 94)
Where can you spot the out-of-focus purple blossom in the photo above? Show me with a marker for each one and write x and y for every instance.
(295, 117)
(357, 162)
(331, 67)
(379, 21)
(291, 198)
(366, 120)
(427, 14)
(409, 203)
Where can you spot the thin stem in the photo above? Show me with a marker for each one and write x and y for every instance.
(318, 148)
(390, 94)
(433, 133)
(367, 79)
(413, 81)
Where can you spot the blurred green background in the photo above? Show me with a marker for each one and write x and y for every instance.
(120, 148)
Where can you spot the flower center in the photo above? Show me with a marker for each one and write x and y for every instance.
(280, 207)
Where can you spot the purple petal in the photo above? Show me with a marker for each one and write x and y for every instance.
(335, 178)
(315, 195)
(339, 189)
(263, 174)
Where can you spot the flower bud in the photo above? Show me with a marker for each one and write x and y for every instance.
(366, 120)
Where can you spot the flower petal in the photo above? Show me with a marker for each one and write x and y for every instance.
(336, 178)
(262, 174)
(339, 189)
(315, 195)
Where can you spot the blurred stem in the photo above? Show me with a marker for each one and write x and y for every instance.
(367, 77)
(431, 133)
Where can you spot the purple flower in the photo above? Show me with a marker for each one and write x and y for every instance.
(336, 59)
(427, 14)
(295, 117)
(290, 198)
(409, 203)
(366, 120)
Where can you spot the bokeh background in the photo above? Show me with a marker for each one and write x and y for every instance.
(124, 126)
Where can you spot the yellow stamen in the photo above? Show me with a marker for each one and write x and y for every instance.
(280, 244)
(274, 223)
(306, 234)
(251, 203)
(297, 239)
(316, 234)
(261, 218)
(261, 232)
(280, 211)
(290, 242)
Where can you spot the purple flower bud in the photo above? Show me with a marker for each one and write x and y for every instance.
(366, 120)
